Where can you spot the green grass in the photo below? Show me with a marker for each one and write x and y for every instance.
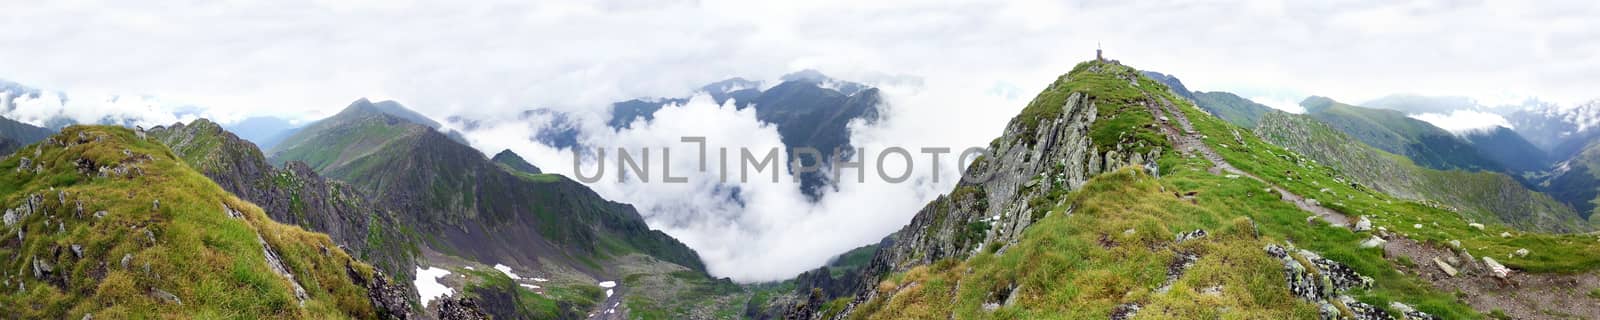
(1558, 253)
(1121, 122)
(559, 300)
(1481, 196)
(1079, 263)
(680, 294)
(209, 260)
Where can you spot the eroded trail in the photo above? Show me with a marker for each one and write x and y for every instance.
(1188, 142)
(1519, 295)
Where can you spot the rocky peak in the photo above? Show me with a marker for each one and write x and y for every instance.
(1055, 146)
(515, 162)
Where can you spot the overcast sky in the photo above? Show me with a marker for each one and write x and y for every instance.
(957, 69)
(297, 57)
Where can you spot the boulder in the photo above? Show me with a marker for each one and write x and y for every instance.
(1373, 242)
(165, 296)
(1449, 270)
(1363, 224)
(1495, 268)
(1522, 252)
(1476, 225)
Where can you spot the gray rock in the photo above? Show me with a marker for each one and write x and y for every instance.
(166, 296)
(276, 264)
(1445, 267)
(1191, 235)
(1373, 242)
(1495, 268)
(41, 269)
(126, 258)
(459, 309)
(77, 250)
(1363, 225)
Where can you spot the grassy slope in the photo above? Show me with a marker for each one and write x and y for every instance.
(1483, 196)
(209, 260)
(1579, 186)
(333, 142)
(1394, 132)
(1120, 122)
(1236, 110)
(1078, 262)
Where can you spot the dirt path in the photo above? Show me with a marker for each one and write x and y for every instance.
(1520, 295)
(1188, 142)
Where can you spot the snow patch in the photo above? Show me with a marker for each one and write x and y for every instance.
(428, 286)
(507, 271)
(529, 286)
(608, 284)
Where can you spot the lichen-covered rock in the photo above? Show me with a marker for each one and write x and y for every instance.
(1192, 235)
(389, 300)
(1322, 281)
(459, 309)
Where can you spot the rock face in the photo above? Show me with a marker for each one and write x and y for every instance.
(390, 300)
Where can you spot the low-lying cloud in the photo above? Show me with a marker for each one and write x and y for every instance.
(1464, 121)
(756, 230)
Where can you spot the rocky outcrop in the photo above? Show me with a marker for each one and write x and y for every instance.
(1026, 173)
(390, 300)
(1321, 281)
(294, 194)
(458, 309)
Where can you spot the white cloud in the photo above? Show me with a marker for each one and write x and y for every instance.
(1463, 121)
(771, 231)
(1282, 104)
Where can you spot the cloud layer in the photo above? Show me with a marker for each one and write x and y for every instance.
(757, 230)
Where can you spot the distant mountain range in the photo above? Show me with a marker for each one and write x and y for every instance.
(15, 135)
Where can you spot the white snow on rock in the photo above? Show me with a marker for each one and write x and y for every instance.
(540, 280)
(529, 286)
(608, 293)
(428, 285)
(507, 271)
(608, 284)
